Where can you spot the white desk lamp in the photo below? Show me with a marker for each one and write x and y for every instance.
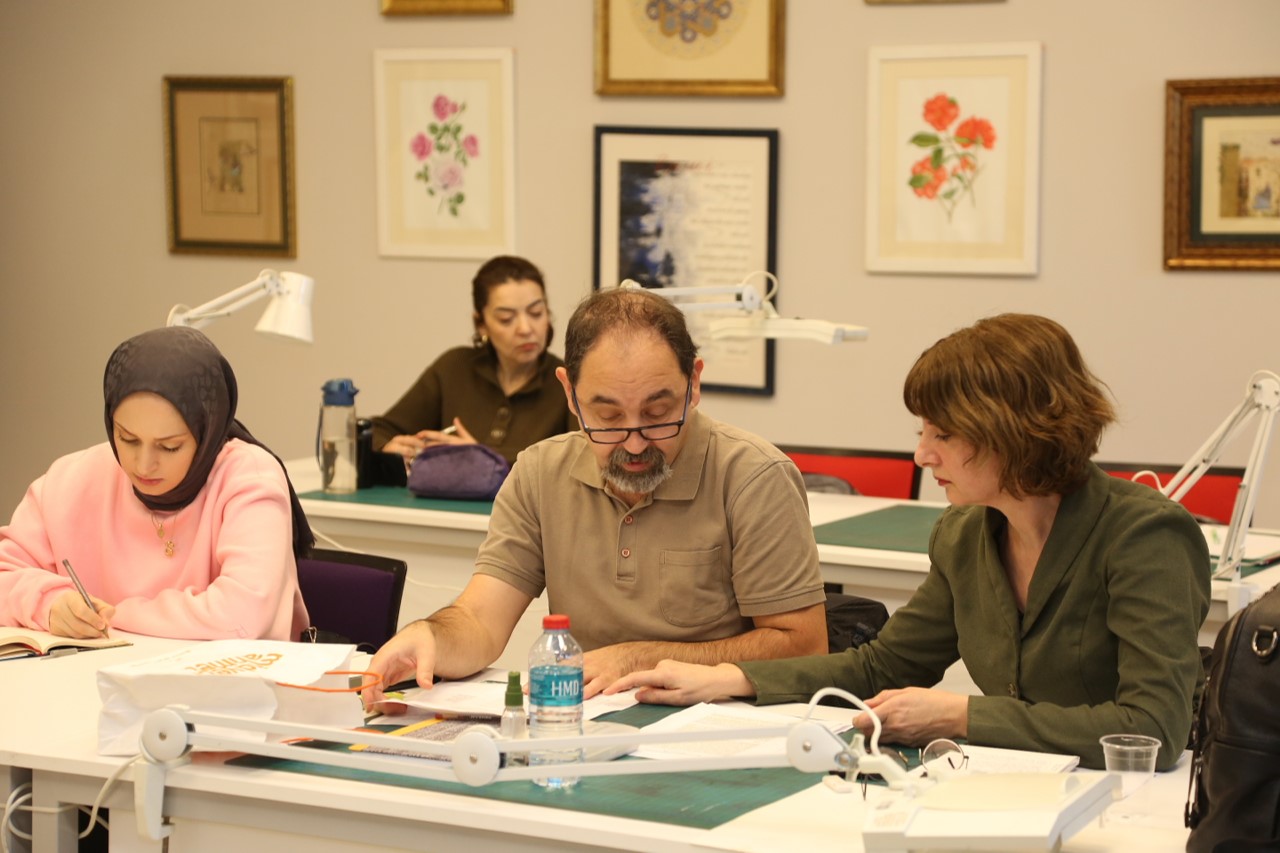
(759, 319)
(1261, 398)
(1050, 807)
(288, 315)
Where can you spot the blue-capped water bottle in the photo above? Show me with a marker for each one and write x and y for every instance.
(555, 698)
(336, 437)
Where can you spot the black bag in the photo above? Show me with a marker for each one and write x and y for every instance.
(853, 620)
(1234, 802)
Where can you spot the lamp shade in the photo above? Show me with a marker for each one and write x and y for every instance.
(288, 312)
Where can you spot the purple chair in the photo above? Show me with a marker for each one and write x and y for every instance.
(351, 598)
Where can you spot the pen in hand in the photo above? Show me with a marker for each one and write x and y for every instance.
(71, 573)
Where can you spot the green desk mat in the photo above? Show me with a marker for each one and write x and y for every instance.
(702, 799)
(399, 496)
(895, 528)
(1247, 567)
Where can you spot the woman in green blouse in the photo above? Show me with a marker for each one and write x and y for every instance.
(1074, 598)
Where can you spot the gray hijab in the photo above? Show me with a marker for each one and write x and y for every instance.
(183, 366)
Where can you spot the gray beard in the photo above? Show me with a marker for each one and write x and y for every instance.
(643, 483)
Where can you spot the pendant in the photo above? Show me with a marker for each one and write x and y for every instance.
(160, 530)
(168, 548)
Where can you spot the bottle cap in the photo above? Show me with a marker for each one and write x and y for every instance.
(515, 694)
(340, 392)
(555, 622)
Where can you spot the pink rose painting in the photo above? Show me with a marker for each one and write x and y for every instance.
(444, 153)
(950, 170)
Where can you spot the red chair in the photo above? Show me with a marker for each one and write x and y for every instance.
(877, 473)
(1211, 498)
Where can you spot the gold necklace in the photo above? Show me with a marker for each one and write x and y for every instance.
(159, 526)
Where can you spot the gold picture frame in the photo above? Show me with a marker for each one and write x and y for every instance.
(666, 48)
(1222, 174)
(922, 2)
(228, 152)
(447, 7)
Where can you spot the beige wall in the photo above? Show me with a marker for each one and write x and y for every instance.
(84, 260)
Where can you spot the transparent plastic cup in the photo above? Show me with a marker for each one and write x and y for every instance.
(1132, 757)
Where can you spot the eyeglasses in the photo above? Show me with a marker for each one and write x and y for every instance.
(618, 435)
(942, 756)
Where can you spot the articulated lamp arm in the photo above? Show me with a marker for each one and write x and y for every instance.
(267, 282)
(476, 757)
(288, 314)
(1262, 399)
(755, 315)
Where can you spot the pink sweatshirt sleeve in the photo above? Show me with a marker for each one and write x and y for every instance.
(29, 583)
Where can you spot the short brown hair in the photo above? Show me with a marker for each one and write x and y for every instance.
(631, 309)
(1015, 385)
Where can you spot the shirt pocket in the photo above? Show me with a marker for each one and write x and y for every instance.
(694, 587)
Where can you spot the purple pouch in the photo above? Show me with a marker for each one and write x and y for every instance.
(469, 472)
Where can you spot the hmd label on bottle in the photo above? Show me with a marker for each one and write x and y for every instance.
(555, 685)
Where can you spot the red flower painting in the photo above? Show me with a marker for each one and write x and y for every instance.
(949, 171)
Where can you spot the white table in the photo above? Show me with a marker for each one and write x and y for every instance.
(48, 735)
(440, 548)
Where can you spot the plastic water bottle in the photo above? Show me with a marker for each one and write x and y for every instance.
(336, 437)
(555, 697)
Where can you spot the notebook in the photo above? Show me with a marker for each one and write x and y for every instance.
(28, 642)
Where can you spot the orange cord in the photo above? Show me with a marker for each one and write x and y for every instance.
(377, 679)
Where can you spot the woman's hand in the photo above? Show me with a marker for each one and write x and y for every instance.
(69, 616)
(409, 446)
(455, 434)
(675, 683)
(405, 446)
(913, 716)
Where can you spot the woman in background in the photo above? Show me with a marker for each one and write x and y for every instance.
(1073, 598)
(501, 391)
(180, 525)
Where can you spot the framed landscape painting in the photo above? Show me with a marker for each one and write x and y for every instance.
(1222, 174)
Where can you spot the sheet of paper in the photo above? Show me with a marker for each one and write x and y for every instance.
(990, 759)
(484, 694)
(1259, 548)
(717, 718)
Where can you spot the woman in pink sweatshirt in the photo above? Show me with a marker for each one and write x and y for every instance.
(181, 525)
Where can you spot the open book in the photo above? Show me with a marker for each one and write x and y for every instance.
(28, 642)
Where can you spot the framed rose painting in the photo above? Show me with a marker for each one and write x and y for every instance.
(445, 153)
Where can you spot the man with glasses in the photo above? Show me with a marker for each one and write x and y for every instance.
(662, 533)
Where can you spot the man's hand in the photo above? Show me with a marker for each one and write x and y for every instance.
(913, 716)
(411, 652)
(605, 665)
(69, 616)
(675, 683)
